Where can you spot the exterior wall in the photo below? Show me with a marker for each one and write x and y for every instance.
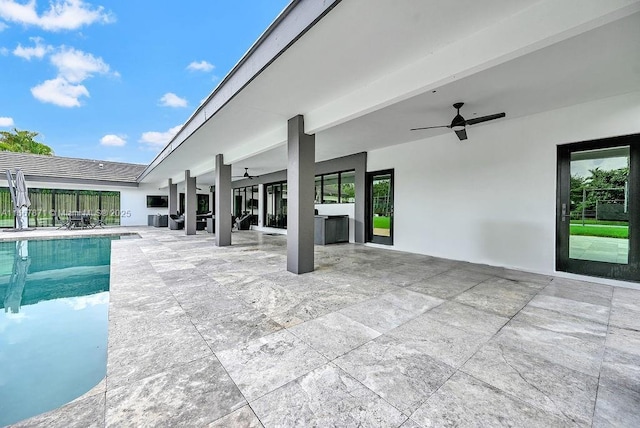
(133, 201)
(492, 198)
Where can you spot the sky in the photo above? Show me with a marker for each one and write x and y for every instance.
(115, 80)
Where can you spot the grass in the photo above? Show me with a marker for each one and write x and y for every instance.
(380, 222)
(603, 222)
(605, 232)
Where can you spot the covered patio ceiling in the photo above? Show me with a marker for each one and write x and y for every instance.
(367, 72)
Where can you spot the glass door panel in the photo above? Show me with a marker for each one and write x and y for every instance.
(598, 208)
(381, 207)
(599, 225)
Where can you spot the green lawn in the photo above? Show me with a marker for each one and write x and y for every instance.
(380, 222)
(606, 232)
(607, 222)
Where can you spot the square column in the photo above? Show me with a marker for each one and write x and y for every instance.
(173, 198)
(223, 202)
(300, 197)
(190, 203)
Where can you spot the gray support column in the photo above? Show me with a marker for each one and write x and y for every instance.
(223, 202)
(300, 197)
(190, 204)
(173, 198)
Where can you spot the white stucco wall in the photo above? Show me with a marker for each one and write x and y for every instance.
(491, 198)
(134, 201)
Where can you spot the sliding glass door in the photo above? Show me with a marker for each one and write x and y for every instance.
(599, 208)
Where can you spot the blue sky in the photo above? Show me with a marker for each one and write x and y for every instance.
(112, 80)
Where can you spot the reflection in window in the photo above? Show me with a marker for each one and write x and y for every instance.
(245, 202)
(276, 205)
(318, 192)
(348, 187)
(330, 193)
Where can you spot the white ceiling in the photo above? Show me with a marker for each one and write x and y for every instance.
(360, 44)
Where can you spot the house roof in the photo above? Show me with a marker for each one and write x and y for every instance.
(62, 169)
(363, 73)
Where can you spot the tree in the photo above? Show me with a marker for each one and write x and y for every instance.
(22, 142)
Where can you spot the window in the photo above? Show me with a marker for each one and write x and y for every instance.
(50, 207)
(276, 205)
(337, 187)
(245, 201)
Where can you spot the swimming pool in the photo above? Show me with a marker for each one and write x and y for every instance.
(54, 303)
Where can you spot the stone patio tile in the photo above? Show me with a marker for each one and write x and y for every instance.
(443, 342)
(260, 366)
(616, 407)
(587, 292)
(127, 328)
(467, 318)
(443, 286)
(401, 374)
(465, 401)
(207, 301)
(230, 330)
(566, 393)
(193, 394)
(625, 318)
(390, 310)
(574, 353)
(140, 357)
(334, 334)
(505, 303)
(314, 304)
(243, 417)
(621, 365)
(626, 298)
(517, 275)
(85, 413)
(563, 323)
(324, 397)
(575, 308)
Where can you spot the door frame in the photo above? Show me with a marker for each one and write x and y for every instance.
(370, 237)
(627, 272)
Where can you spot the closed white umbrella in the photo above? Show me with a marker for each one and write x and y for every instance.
(22, 202)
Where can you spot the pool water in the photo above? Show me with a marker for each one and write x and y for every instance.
(54, 302)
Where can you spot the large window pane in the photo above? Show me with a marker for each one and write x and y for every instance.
(318, 192)
(111, 210)
(6, 208)
(41, 209)
(330, 193)
(348, 187)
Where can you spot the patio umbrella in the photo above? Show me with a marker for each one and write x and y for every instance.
(22, 202)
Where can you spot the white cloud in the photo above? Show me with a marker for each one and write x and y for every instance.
(39, 50)
(157, 140)
(62, 14)
(75, 66)
(113, 140)
(172, 100)
(6, 122)
(60, 92)
(3, 26)
(200, 66)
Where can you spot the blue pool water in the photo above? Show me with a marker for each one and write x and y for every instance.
(54, 301)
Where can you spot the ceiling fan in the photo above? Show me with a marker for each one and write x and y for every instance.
(246, 175)
(459, 123)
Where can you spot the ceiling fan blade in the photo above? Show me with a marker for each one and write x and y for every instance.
(485, 118)
(462, 134)
(430, 127)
